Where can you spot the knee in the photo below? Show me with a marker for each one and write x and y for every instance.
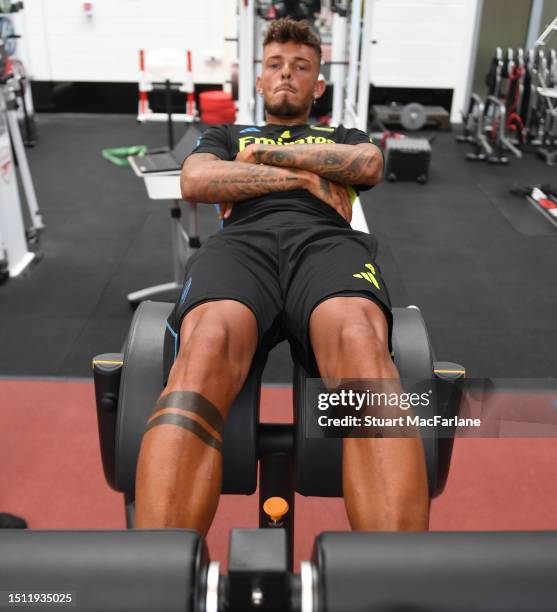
(360, 336)
(211, 343)
(207, 336)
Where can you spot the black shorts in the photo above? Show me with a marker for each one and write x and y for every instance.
(281, 273)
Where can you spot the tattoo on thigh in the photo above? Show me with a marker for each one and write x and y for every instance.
(186, 423)
(196, 403)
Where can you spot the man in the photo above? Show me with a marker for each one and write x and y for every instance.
(287, 263)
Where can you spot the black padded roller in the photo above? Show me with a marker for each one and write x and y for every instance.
(414, 360)
(142, 381)
(411, 346)
(140, 387)
(108, 571)
(239, 451)
(436, 572)
(319, 461)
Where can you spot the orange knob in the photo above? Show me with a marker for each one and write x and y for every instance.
(275, 508)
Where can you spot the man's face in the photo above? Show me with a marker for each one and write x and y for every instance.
(289, 79)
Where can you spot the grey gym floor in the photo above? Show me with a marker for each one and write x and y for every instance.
(480, 263)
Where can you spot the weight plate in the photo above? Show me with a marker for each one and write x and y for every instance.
(413, 116)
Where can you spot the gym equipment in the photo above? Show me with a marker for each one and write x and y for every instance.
(411, 117)
(216, 107)
(168, 70)
(407, 158)
(182, 243)
(492, 125)
(110, 570)
(10, 90)
(13, 241)
(9, 25)
(27, 122)
(119, 155)
(14, 253)
(519, 109)
(545, 83)
(8, 35)
(496, 110)
(170, 571)
(542, 197)
(473, 131)
(128, 385)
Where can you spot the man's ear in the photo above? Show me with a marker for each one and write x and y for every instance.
(320, 87)
(258, 85)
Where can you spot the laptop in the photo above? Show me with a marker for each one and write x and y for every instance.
(171, 161)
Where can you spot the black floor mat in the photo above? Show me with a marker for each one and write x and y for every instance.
(517, 211)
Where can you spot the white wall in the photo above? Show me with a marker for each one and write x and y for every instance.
(423, 44)
(420, 43)
(66, 45)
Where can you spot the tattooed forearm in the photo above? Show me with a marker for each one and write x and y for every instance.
(345, 164)
(208, 179)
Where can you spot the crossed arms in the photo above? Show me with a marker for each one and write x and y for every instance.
(322, 169)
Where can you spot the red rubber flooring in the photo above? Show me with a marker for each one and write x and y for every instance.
(50, 474)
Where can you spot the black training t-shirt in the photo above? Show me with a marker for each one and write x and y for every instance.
(226, 141)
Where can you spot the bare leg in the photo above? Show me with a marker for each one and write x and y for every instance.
(384, 479)
(179, 471)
